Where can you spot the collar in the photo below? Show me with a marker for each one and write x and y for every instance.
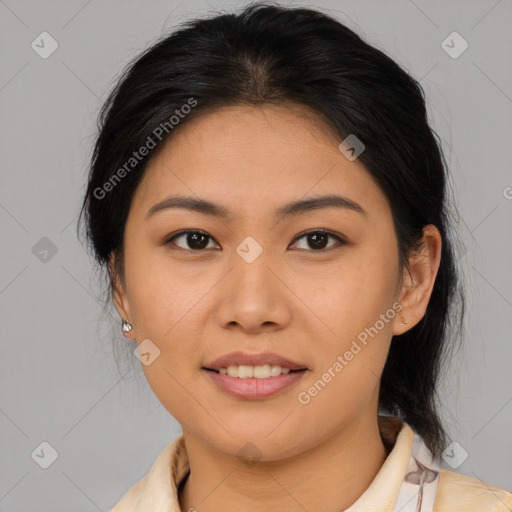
(403, 473)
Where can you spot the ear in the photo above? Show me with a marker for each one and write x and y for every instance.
(418, 281)
(119, 295)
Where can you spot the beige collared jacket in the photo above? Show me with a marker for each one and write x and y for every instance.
(408, 481)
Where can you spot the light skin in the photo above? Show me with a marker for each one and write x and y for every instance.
(298, 300)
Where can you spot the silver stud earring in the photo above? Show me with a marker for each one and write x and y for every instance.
(127, 327)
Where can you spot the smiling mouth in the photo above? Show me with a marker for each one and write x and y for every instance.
(265, 371)
(254, 382)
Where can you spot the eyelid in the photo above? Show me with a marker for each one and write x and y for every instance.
(340, 238)
(172, 236)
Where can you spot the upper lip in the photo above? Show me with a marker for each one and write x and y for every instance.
(245, 358)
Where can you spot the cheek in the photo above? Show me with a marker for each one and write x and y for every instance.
(355, 301)
(351, 294)
(164, 306)
(339, 301)
(161, 294)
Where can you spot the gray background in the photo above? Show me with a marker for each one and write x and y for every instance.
(59, 379)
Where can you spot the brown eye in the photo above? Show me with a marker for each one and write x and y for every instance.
(318, 240)
(193, 240)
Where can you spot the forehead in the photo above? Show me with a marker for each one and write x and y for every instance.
(254, 157)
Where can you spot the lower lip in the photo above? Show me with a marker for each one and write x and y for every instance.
(254, 389)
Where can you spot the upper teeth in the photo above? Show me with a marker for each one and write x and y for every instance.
(259, 372)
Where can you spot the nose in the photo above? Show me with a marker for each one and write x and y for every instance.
(254, 297)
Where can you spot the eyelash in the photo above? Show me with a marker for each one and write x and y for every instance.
(340, 239)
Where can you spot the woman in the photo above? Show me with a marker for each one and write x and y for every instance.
(270, 203)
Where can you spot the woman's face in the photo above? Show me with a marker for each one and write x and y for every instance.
(253, 281)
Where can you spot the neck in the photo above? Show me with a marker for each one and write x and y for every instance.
(330, 476)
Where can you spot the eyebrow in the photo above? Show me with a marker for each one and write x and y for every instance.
(290, 209)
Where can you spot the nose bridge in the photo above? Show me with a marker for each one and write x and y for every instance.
(252, 296)
(250, 261)
(251, 250)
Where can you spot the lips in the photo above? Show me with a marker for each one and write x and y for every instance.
(245, 358)
(255, 389)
